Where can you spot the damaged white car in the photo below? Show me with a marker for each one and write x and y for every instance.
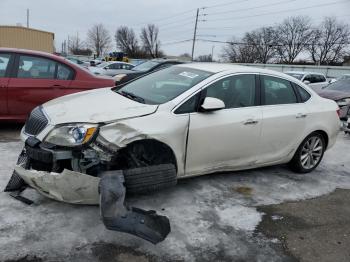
(186, 120)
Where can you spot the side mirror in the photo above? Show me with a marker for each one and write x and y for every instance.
(306, 82)
(212, 104)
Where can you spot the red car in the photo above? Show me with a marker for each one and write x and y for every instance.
(30, 78)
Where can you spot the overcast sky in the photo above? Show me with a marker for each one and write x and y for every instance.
(175, 18)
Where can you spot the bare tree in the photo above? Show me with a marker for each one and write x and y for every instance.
(263, 42)
(75, 44)
(204, 58)
(150, 41)
(98, 39)
(127, 41)
(239, 52)
(330, 42)
(292, 37)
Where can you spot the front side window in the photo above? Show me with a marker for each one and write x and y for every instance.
(309, 78)
(235, 91)
(36, 67)
(189, 106)
(162, 86)
(277, 91)
(4, 61)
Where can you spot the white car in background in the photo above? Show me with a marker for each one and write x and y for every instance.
(315, 80)
(110, 68)
(182, 121)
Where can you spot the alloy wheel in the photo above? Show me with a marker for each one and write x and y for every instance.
(311, 152)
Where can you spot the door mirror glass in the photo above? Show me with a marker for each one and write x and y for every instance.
(212, 104)
(306, 82)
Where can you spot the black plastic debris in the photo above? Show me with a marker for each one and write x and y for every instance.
(116, 216)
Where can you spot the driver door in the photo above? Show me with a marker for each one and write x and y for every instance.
(229, 138)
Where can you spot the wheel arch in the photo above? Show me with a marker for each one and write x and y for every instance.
(167, 153)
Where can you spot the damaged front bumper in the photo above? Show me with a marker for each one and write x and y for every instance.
(42, 167)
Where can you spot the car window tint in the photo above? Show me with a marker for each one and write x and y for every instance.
(4, 61)
(277, 91)
(64, 72)
(36, 67)
(308, 78)
(304, 95)
(234, 91)
(189, 106)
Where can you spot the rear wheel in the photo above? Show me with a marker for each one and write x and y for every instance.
(309, 154)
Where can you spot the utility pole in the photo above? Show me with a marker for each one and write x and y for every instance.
(212, 53)
(27, 17)
(195, 34)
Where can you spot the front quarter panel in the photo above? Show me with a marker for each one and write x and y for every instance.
(162, 126)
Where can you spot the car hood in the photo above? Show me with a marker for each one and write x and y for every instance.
(94, 106)
(333, 94)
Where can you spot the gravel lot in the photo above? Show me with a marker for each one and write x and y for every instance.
(256, 215)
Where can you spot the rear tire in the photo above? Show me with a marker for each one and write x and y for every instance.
(309, 154)
(150, 178)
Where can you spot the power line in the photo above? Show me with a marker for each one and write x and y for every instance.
(281, 11)
(177, 42)
(270, 45)
(224, 4)
(252, 8)
(168, 17)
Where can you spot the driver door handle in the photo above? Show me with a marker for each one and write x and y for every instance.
(250, 122)
(301, 115)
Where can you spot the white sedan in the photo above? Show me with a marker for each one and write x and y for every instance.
(110, 68)
(182, 121)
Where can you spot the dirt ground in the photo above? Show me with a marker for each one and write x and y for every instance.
(268, 214)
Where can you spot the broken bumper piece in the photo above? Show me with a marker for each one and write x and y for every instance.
(108, 191)
(116, 216)
(68, 186)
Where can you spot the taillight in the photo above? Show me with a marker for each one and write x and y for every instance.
(338, 112)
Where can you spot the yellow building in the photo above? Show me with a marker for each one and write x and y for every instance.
(26, 38)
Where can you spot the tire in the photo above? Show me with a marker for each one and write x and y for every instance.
(298, 164)
(148, 179)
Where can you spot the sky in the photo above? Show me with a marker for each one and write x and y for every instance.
(219, 20)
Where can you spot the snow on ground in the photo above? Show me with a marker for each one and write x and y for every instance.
(210, 216)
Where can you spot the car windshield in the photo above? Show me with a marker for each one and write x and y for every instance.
(162, 86)
(145, 66)
(340, 85)
(295, 75)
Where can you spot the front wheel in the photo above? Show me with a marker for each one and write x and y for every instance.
(309, 154)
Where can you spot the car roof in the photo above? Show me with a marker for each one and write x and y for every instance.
(304, 73)
(39, 53)
(231, 68)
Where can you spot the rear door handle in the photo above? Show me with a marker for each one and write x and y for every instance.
(56, 86)
(301, 115)
(250, 122)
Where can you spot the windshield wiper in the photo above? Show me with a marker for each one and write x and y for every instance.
(132, 96)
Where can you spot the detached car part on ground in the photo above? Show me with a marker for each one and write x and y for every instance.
(182, 121)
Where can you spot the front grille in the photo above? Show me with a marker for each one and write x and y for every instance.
(36, 122)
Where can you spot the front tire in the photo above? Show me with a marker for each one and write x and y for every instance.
(309, 154)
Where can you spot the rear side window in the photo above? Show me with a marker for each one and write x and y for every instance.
(36, 67)
(304, 95)
(64, 72)
(4, 61)
(277, 91)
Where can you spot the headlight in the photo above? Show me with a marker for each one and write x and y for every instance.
(71, 135)
(119, 77)
(343, 102)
